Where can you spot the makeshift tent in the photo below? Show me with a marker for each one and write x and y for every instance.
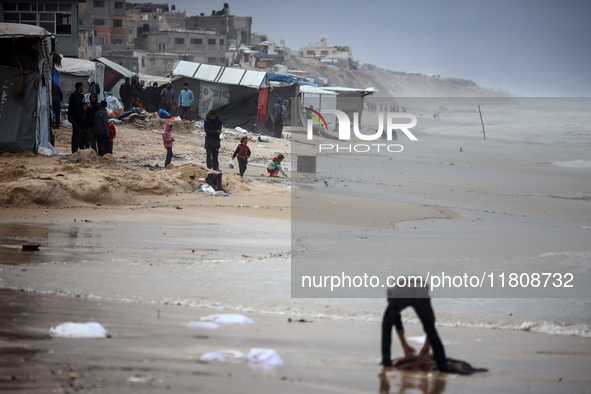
(350, 100)
(319, 99)
(115, 75)
(26, 69)
(240, 97)
(91, 74)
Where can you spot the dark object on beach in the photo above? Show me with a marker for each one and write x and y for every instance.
(30, 248)
(428, 364)
(298, 321)
(215, 181)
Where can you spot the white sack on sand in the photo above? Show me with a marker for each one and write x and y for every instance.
(204, 324)
(232, 318)
(78, 330)
(223, 355)
(267, 357)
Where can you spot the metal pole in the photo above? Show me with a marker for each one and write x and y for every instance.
(482, 122)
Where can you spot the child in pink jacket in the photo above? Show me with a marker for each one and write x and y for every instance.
(167, 140)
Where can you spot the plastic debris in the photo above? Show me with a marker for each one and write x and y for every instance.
(204, 324)
(79, 330)
(232, 318)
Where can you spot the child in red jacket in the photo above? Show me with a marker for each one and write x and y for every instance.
(243, 153)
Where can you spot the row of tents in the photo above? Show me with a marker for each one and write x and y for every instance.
(242, 98)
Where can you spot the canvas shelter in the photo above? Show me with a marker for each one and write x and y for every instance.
(26, 69)
(320, 99)
(350, 100)
(115, 75)
(240, 97)
(91, 74)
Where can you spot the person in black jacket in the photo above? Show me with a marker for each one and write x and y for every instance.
(76, 116)
(125, 94)
(213, 129)
(56, 100)
(101, 127)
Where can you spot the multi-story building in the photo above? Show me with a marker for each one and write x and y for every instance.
(106, 19)
(56, 16)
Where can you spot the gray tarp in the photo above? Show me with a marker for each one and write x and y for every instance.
(18, 117)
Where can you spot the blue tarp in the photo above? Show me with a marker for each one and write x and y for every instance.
(281, 78)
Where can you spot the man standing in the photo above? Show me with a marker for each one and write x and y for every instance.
(415, 295)
(56, 100)
(101, 126)
(168, 98)
(185, 99)
(76, 116)
(278, 117)
(125, 94)
(213, 128)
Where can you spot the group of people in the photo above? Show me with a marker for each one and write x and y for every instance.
(90, 123)
(152, 98)
(213, 130)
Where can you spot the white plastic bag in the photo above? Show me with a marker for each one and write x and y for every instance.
(231, 164)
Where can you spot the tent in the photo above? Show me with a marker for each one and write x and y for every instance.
(79, 70)
(319, 99)
(240, 97)
(26, 69)
(115, 75)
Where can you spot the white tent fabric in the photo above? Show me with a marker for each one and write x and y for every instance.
(117, 67)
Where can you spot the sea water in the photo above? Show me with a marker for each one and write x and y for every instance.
(518, 172)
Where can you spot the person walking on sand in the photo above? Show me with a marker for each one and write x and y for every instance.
(93, 107)
(101, 129)
(76, 116)
(155, 98)
(415, 295)
(274, 166)
(213, 129)
(243, 153)
(185, 99)
(167, 140)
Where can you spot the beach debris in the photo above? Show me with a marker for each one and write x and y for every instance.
(223, 355)
(204, 324)
(257, 356)
(428, 364)
(267, 357)
(30, 248)
(228, 318)
(79, 330)
(290, 320)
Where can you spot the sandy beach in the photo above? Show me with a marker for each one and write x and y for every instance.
(138, 249)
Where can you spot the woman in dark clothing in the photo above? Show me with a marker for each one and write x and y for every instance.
(213, 129)
(155, 97)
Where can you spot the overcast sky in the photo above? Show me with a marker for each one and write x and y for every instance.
(534, 48)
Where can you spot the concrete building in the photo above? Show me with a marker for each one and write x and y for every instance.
(236, 29)
(324, 51)
(56, 16)
(107, 20)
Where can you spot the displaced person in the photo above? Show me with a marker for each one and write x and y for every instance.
(167, 140)
(185, 99)
(155, 98)
(112, 135)
(416, 295)
(213, 128)
(284, 111)
(76, 116)
(168, 98)
(93, 107)
(101, 128)
(278, 117)
(274, 166)
(125, 94)
(56, 100)
(243, 153)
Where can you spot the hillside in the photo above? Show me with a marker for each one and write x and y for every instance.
(392, 83)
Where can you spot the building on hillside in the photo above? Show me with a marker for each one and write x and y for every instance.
(143, 62)
(106, 20)
(59, 17)
(324, 51)
(236, 29)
